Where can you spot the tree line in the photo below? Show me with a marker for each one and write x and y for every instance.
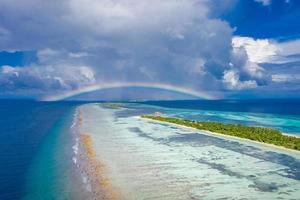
(260, 134)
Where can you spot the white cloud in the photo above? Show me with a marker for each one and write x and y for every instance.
(232, 80)
(174, 42)
(291, 47)
(254, 70)
(160, 41)
(78, 54)
(198, 67)
(48, 54)
(258, 51)
(45, 78)
(286, 78)
(107, 16)
(266, 50)
(279, 57)
(246, 68)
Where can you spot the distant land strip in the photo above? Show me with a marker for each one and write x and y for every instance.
(259, 134)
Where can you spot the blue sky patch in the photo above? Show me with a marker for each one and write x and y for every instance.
(18, 58)
(279, 20)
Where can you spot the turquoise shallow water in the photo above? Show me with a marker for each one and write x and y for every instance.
(285, 122)
(147, 160)
(48, 175)
(151, 160)
(53, 173)
(35, 150)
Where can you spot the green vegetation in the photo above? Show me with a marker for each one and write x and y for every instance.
(266, 135)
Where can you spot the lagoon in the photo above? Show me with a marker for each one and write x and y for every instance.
(152, 160)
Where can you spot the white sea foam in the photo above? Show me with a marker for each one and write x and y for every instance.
(74, 122)
(75, 147)
(88, 187)
(75, 118)
(74, 159)
(84, 179)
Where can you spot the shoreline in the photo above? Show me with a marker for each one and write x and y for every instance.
(135, 167)
(91, 169)
(229, 137)
(291, 135)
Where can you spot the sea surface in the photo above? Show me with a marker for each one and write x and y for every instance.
(280, 114)
(146, 160)
(35, 143)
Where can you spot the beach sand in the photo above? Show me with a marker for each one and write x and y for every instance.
(93, 171)
(134, 158)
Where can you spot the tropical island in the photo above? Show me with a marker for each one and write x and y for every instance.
(259, 134)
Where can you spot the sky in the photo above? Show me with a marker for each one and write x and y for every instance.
(140, 49)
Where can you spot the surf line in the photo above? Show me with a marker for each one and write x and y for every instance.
(94, 170)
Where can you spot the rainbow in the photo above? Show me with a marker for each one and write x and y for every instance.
(102, 86)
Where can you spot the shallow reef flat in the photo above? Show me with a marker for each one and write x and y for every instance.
(150, 160)
(267, 136)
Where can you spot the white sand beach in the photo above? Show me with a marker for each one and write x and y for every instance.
(144, 159)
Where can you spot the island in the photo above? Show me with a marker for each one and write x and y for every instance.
(259, 134)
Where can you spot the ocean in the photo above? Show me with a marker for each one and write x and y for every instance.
(282, 114)
(37, 149)
(29, 142)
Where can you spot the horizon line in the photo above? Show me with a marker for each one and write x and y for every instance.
(101, 86)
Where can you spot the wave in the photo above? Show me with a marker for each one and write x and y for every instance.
(75, 118)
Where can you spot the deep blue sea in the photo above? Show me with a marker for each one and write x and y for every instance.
(35, 138)
(29, 133)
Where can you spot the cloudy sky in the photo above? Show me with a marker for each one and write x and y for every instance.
(127, 49)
